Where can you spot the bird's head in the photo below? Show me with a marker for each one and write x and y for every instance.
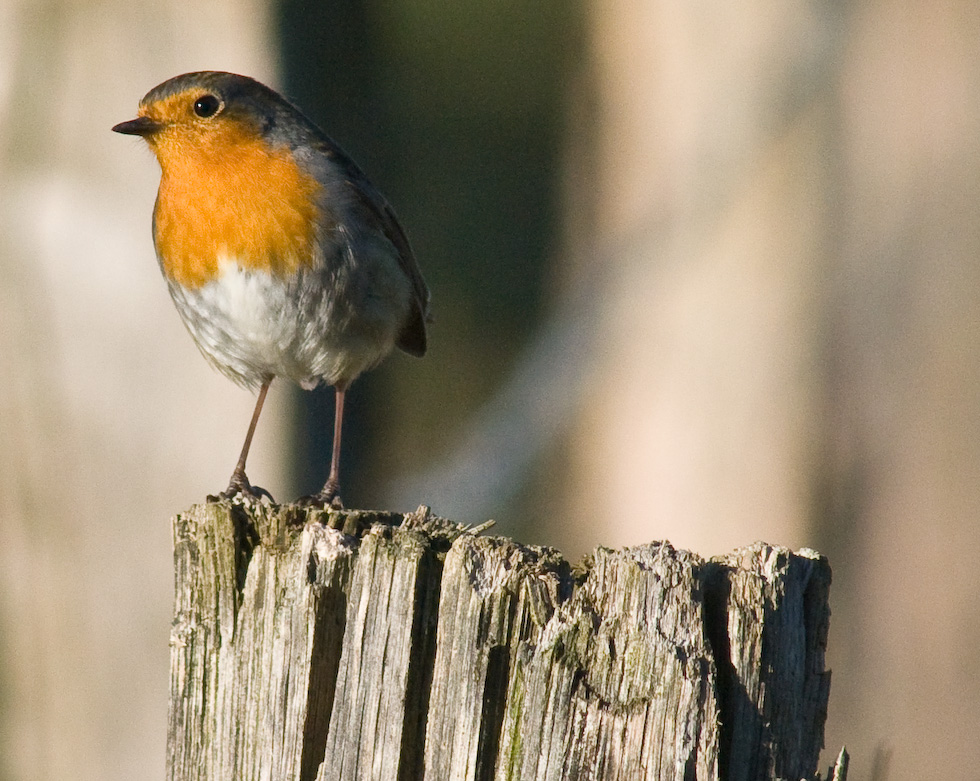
(207, 113)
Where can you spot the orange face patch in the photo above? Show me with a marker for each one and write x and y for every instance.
(224, 194)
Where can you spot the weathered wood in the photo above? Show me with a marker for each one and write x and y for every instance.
(329, 645)
(497, 597)
(620, 684)
(770, 614)
(255, 645)
(387, 651)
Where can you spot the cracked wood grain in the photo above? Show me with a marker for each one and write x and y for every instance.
(320, 645)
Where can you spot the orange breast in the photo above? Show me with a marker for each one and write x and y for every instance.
(231, 197)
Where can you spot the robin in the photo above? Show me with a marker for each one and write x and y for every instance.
(282, 258)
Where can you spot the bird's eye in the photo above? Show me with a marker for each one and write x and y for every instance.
(206, 106)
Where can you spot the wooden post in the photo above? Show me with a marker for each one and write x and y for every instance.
(325, 646)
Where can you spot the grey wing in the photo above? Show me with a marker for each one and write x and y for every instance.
(412, 337)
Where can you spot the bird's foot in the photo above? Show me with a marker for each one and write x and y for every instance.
(321, 500)
(328, 498)
(240, 486)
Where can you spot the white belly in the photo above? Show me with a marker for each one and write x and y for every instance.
(251, 325)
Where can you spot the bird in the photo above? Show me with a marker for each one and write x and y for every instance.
(282, 259)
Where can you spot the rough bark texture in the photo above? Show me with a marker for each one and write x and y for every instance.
(323, 645)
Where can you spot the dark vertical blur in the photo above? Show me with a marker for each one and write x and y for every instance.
(456, 113)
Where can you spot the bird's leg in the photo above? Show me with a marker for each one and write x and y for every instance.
(239, 482)
(331, 489)
(329, 495)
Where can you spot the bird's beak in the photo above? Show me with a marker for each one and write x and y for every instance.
(141, 126)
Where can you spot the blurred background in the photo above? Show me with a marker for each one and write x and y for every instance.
(704, 272)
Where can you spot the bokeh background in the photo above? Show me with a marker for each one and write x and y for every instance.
(705, 272)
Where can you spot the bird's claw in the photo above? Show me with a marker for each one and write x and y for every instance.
(240, 486)
(326, 499)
